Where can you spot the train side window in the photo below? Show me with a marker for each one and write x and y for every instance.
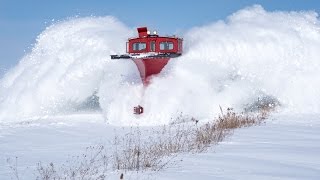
(166, 45)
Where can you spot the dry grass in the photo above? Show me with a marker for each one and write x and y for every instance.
(144, 150)
(214, 132)
(93, 164)
(156, 151)
(13, 165)
(150, 152)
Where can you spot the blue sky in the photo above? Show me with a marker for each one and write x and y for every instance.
(22, 20)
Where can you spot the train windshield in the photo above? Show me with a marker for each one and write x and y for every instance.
(139, 46)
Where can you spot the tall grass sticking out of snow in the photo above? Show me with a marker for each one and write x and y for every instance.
(156, 151)
(141, 150)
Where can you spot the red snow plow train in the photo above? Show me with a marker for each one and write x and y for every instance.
(150, 52)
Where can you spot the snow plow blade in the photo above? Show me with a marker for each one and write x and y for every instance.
(125, 56)
(160, 55)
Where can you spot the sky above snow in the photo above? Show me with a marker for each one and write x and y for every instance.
(22, 21)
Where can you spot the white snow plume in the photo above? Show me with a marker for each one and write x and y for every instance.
(64, 68)
(253, 54)
(2, 71)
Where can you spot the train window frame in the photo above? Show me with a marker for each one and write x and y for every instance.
(180, 45)
(153, 46)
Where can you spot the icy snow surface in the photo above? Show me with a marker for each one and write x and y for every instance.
(46, 112)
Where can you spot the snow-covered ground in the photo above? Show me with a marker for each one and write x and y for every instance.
(286, 147)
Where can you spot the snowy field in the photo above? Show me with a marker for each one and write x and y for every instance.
(286, 147)
(67, 94)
